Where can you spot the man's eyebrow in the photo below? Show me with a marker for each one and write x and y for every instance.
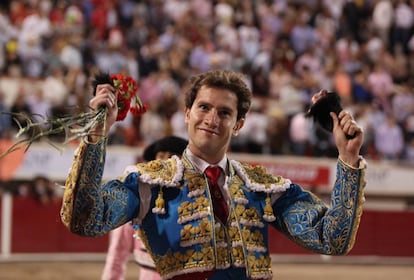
(224, 107)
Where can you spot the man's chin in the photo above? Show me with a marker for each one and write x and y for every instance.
(206, 146)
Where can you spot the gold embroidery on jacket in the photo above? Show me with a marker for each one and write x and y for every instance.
(196, 185)
(257, 178)
(246, 238)
(155, 169)
(189, 211)
(196, 234)
(240, 243)
(73, 176)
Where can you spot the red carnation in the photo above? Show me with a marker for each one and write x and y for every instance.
(127, 94)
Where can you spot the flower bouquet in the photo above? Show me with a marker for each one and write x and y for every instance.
(79, 125)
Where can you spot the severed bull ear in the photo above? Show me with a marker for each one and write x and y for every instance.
(319, 111)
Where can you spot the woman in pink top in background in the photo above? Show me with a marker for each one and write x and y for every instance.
(123, 240)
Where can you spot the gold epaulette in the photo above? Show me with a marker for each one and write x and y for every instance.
(163, 173)
(166, 173)
(258, 179)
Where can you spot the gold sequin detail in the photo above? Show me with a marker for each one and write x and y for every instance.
(189, 211)
(70, 184)
(196, 185)
(259, 174)
(196, 234)
(160, 172)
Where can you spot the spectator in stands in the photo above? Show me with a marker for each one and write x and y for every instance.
(409, 153)
(408, 126)
(5, 118)
(124, 240)
(389, 139)
(382, 17)
(55, 88)
(20, 109)
(177, 121)
(249, 39)
(43, 190)
(403, 21)
(256, 129)
(381, 85)
(7, 32)
(279, 77)
(193, 232)
(38, 105)
(360, 92)
(70, 53)
(35, 29)
(303, 35)
(154, 124)
(301, 134)
(403, 103)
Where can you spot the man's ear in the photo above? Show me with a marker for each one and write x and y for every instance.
(237, 127)
(186, 115)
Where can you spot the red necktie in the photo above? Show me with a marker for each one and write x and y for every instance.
(220, 207)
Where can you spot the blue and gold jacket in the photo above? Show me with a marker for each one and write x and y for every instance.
(180, 230)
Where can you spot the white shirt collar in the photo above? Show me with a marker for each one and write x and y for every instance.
(201, 164)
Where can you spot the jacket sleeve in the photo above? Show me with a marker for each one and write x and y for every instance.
(309, 222)
(89, 208)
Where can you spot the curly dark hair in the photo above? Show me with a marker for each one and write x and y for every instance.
(223, 79)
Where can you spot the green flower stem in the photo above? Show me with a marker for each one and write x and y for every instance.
(73, 126)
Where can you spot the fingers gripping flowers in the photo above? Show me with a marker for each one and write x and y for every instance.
(127, 89)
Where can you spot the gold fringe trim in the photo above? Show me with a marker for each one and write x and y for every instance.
(159, 203)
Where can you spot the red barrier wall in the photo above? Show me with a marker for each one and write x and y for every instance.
(37, 228)
(381, 233)
(1, 221)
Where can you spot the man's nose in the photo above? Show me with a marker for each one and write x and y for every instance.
(212, 118)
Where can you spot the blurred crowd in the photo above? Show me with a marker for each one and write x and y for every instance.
(40, 188)
(288, 50)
